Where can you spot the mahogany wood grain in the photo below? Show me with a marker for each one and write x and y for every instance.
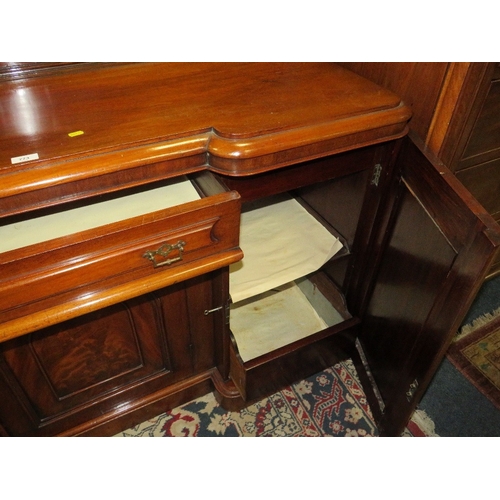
(468, 136)
(419, 243)
(111, 361)
(485, 137)
(455, 111)
(18, 70)
(483, 181)
(75, 273)
(302, 175)
(141, 123)
(141, 409)
(430, 282)
(446, 99)
(466, 102)
(22, 199)
(418, 83)
(448, 104)
(238, 114)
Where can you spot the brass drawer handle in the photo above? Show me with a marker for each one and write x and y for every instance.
(163, 252)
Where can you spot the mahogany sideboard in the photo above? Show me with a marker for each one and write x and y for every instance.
(133, 197)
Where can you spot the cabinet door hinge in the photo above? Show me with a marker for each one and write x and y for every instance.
(377, 170)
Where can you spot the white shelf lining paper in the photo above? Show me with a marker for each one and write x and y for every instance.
(40, 229)
(272, 320)
(281, 242)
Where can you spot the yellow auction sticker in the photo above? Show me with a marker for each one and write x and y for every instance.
(74, 134)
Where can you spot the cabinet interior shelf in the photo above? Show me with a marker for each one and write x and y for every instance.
(274, 303)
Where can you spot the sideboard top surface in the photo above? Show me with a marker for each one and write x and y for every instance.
(158, 110)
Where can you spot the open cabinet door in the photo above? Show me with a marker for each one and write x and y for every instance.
(435, 246)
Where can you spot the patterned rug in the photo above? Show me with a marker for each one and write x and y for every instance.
(330, 403)
(476, 354)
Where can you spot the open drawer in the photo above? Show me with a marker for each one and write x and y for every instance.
(80, 259)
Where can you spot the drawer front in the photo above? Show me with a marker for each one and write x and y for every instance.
(87, 270)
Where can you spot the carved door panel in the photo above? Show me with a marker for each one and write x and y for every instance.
(436, 246)
(66, 375)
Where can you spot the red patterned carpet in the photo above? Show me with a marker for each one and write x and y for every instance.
(330, 403)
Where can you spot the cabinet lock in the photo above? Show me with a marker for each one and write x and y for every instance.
(206, 312)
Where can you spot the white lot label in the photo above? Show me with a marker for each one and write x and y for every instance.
(21, 159)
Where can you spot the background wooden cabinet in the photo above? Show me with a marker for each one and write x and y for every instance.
(456, 111)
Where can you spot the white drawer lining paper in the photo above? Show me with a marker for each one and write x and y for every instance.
(37, 230)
